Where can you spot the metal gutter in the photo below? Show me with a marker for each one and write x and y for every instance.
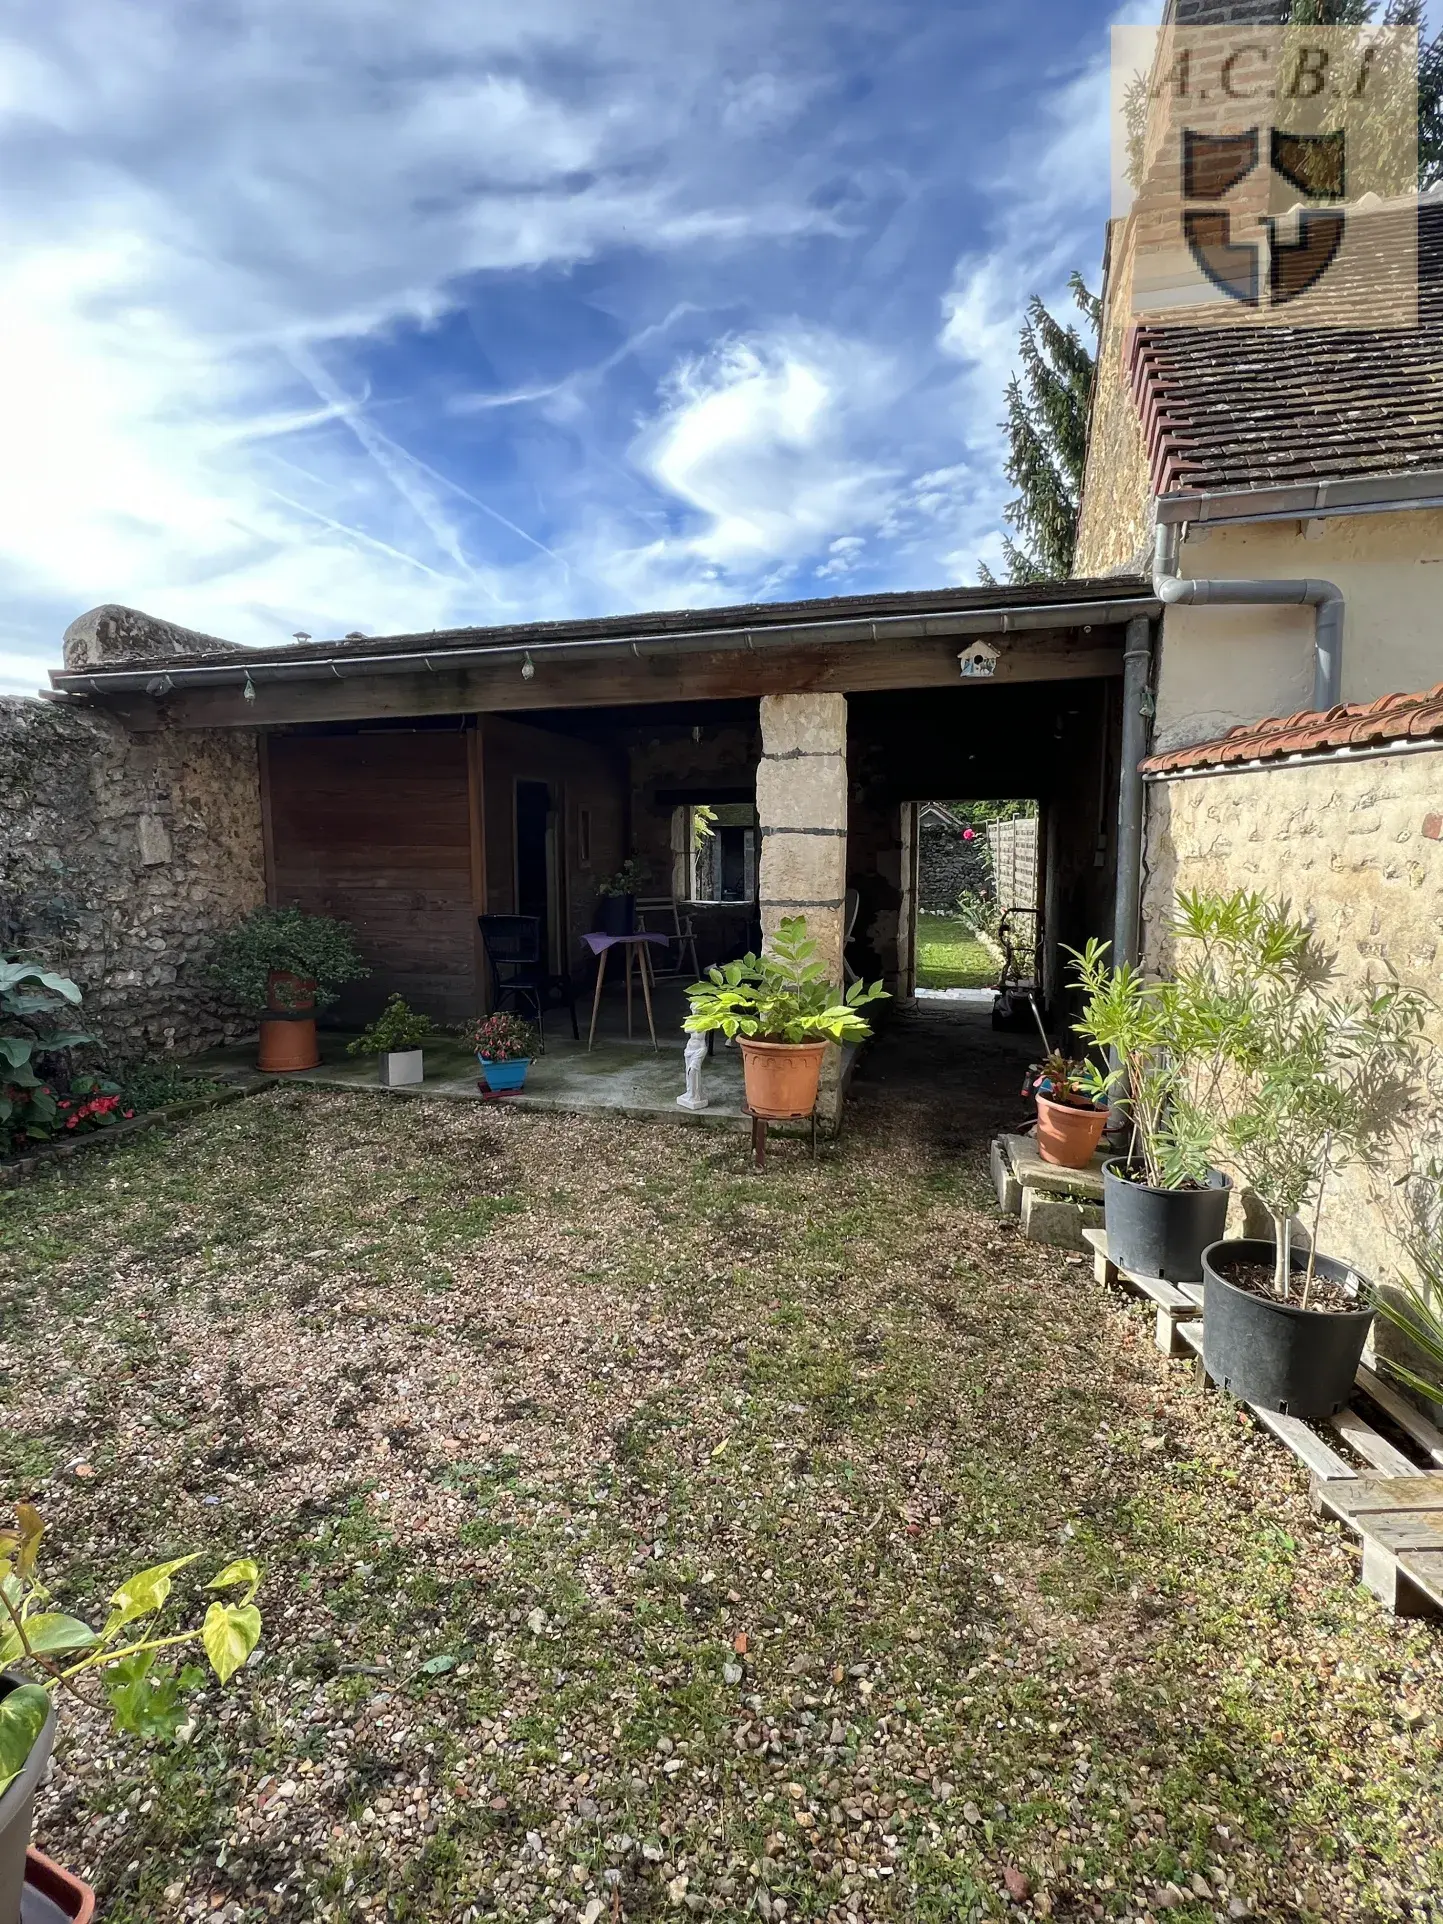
(1304, 500)
(1325, 598)
(157, 679)
(1136, 719)
(1300, 758)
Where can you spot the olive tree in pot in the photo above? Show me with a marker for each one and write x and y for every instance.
(45, 1653)
(283, 965)
(1163, 1202)
(783, 1013)
(1310, 1079)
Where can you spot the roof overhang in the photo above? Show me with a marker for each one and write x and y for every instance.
(1305, 500)
(465, 668)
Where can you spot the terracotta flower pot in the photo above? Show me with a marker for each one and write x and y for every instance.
(1068, 1136)
(781, 1077)
(288, 1027)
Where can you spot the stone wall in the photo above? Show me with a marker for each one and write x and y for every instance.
(120, 856)
(1355, 846)
(946, 865)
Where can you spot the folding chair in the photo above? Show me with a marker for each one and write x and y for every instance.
(513, 951)
(659, 915)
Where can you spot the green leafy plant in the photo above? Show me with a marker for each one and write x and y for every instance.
(1066, 1079)
(629, 879)
(502, 1037)
(159, 1081)
(1296, 1078)
(315, 948)
(145, 1696)
(782, 995)
(397, 1027)
(1413, 1302)
(703, 824)
(31, 999)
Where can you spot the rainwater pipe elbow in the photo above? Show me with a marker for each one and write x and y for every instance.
(1325, 598)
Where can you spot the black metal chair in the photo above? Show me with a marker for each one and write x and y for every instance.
(513, 951)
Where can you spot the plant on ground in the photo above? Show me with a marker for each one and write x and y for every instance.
(782, 995)
(397, 1027)
(1302, 1078)
(146, 1697)
(159, 1081)
(502, 1037)
(1413, 1303)
(316, 949)
(31, 998)
(629, 879)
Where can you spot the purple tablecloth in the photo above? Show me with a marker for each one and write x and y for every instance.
(598, 943)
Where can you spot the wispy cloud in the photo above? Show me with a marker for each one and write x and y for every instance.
(358, 316)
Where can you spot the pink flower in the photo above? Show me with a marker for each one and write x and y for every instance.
(969, 835)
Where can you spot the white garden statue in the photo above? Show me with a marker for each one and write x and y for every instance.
(692, 1097)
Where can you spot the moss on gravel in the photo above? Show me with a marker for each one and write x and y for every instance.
(646, 1538)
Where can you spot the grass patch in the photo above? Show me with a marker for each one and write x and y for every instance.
(949, 956)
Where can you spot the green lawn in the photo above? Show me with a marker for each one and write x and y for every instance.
(645, 1538)
(949, 956)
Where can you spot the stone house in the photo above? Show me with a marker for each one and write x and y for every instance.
(1284, 488)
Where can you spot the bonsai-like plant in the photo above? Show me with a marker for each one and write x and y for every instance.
(782, 995)
(397, 1027)
(502, 1037)
(629, 879)
(31, 998)
(316, 949)
(1302, 1078)
(145, 1696)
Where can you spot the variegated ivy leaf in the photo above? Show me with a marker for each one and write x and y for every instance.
(230, 1632)
(47, 1635)
(22, 1718)
(143, 1593)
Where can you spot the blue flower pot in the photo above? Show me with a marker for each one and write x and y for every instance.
(504, 1075)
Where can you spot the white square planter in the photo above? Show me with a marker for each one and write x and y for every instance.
(400, 1067)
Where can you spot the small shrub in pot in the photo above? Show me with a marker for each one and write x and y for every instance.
(395, 1037)
(282, 965)
(616, 897)
(505, 1046)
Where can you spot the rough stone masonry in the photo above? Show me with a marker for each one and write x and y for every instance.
(122, 856)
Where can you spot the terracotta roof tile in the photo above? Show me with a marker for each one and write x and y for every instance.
(1259, 407)
(1392, 718)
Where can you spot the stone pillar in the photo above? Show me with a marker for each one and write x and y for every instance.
(802, 809)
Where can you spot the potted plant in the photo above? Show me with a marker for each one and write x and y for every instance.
(395, 1037)
(1069, 1121)
(1163, 1202)
(1309, 1079)
(505, 1046)
(283, 965)
(44, 1653)
(616, 897)
(782, 1012)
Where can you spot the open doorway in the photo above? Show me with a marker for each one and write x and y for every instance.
(977, 899)
(536, 864)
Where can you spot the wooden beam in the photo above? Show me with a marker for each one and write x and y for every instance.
(617, 679)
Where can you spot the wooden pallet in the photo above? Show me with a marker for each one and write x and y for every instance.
(1397, 1512)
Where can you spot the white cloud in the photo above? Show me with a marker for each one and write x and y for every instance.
(766, 438)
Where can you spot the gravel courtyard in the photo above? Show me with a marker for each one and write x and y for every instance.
(647, 1538)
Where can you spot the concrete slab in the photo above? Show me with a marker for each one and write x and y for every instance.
(1032, 1172)
(1057, 1220)
(618, 1077)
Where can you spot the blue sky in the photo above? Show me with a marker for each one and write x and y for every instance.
(343, 314)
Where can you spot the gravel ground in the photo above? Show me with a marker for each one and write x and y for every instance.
(646, 1538)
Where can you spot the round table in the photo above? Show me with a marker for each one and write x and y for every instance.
(601, 946)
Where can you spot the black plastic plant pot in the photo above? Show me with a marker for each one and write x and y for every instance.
(616, 914)
(1161, 1232)
(16, 1805)
(1299, 1362)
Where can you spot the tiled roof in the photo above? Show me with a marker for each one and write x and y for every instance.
(1264, 406)
(1392, 718)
